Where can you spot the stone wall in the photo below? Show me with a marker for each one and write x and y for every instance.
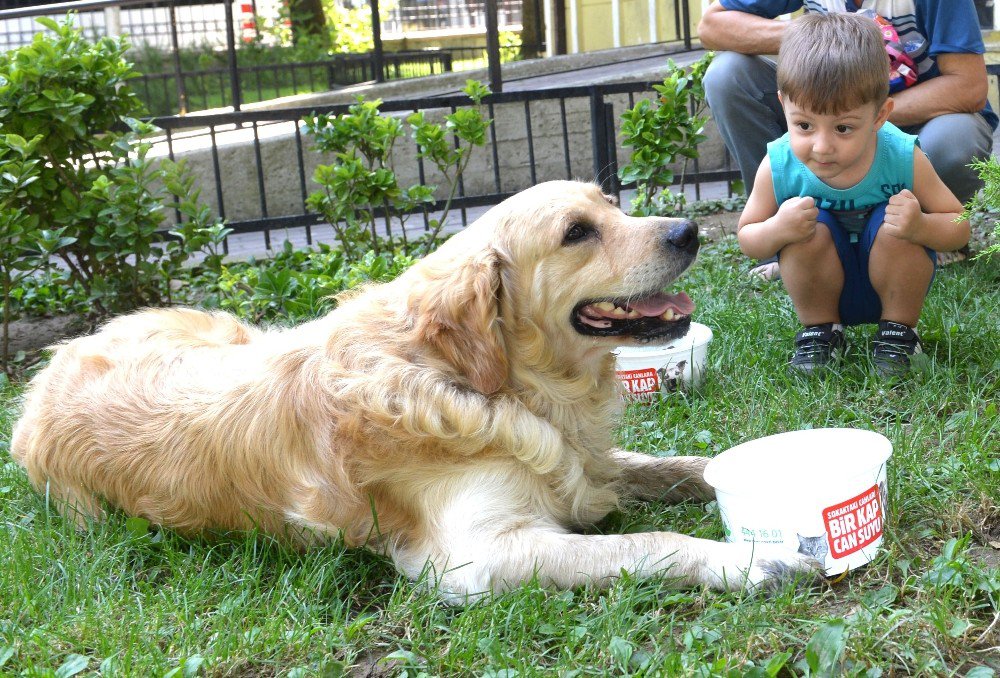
(278, 151)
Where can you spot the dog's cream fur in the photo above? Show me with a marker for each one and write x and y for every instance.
(452, 418)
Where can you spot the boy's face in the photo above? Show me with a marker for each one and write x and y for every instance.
(837, 148)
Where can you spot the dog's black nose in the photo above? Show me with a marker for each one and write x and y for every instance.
(683, 235)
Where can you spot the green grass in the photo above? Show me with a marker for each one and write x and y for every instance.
(137, 602)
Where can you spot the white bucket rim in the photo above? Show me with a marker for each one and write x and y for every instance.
(697, 335)
(868, 451)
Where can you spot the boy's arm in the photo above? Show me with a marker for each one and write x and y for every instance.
(929, 215)
(764, 227)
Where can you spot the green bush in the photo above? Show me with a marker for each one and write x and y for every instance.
(25, 247)
(76, 183)
(662, 132)
(987, 201)
(361, 187)
(297, 285)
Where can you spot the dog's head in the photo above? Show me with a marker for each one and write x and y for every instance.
(558, 270)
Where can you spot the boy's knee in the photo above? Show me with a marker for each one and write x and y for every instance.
(821, 243)
(896, 249)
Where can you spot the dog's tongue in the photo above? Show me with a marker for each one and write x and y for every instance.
(658, 303)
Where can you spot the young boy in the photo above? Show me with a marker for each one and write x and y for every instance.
(849, 203)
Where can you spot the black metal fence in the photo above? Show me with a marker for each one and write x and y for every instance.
(206, 88)
(150, 23)
(203, 23)
(176, 48)
(256, 167)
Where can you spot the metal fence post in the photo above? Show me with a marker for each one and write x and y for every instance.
(182, 102)
(234, 74)
(378, 59)
(686, 23)
(493, 46)
(599, 140)
(612, 184)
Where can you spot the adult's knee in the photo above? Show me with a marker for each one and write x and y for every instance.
(729, 79)
(951, 143)
(951, 162)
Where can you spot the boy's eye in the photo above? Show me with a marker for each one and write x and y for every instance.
(804, 126)
(844, 129)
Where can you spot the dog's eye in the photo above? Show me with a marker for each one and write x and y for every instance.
(577, 232)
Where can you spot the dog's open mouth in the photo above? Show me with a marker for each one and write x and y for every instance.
(656, 316)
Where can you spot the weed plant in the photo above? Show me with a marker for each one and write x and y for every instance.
(126, 598)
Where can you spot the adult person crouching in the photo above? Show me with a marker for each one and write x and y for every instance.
(946, 107)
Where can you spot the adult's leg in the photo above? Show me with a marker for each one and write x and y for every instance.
(742, 92)
(953, 141)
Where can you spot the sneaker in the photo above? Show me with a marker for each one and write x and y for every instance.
(892, 347)
(816, 346)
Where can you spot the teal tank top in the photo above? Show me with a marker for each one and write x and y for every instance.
(891, 172)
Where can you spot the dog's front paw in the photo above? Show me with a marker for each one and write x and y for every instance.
(756, 567)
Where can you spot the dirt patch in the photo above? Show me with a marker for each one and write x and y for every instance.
(375, 666)
(714, 227)
(988, 557)
(33, 334)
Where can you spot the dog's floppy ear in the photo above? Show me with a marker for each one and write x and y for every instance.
(455, 310)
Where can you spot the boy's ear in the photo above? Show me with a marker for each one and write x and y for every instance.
(883, 113)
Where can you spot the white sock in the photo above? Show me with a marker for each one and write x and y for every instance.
(837, 327)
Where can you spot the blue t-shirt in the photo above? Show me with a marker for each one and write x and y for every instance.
(891, 172)
(942, 26)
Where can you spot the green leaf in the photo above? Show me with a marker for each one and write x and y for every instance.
(137, 527)
(7, 652)
(74, 664)
(192, 665)
(959, 627)
(110, 666)
(825, 648)
(50, 24)
(621, 650)
(776, 663)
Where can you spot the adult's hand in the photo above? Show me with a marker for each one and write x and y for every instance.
(734, 31)
(961, 88)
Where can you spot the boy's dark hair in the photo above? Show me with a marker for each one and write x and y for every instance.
(831, 63)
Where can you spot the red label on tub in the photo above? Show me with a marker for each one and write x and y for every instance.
(642, 383)
(855, 523)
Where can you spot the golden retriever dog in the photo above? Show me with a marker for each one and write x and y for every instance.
(458, 419)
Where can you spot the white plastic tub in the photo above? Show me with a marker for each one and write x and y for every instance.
(816, 491)
(648, 371)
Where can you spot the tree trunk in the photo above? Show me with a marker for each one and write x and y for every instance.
(532, 29)
(308, 21)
